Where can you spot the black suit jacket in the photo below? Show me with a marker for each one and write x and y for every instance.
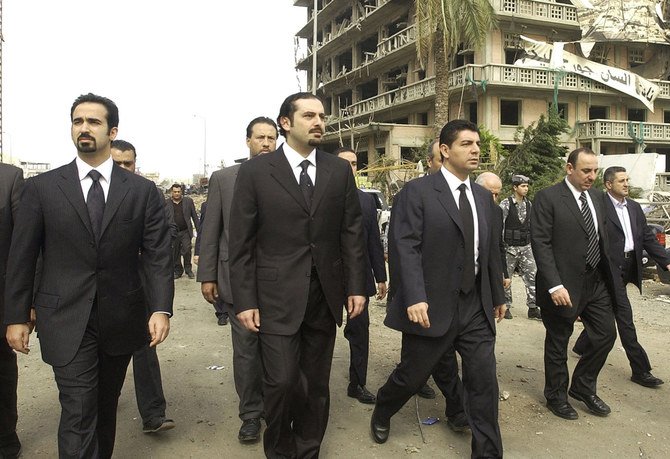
(11, 184)
(375, 267)
(642, 236)
(427, 250)
(213, 265)
(275, 238)
(560, 240)
(190, 215)
(53, 218)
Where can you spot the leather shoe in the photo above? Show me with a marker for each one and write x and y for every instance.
(158, 425)
(250, 430)
(426, 392)
(361, 394)
(458, 422)
(646, 379)
(190, 274)
(563, 410)
(592, 402)
(508, 314)
(380, 429)
(223, 320)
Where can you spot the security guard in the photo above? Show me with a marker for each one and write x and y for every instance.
(516, 236)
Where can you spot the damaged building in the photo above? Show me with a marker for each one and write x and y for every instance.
(382, 101)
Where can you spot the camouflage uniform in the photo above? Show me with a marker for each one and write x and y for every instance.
(520, 257)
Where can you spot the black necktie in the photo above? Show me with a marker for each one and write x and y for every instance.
(95, 201)
(469, 238)
(593, 252)
(306, 184)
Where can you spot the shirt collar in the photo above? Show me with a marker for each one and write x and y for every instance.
(454, 182)
(294, 158)
(105, 169)
(618, 203)
(575, 192)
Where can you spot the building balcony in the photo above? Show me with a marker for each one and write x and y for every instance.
(617, 131)
(560, 15)
(374, 63)
(509, 75)
(392, 99)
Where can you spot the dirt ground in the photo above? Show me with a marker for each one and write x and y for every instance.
(203, 402)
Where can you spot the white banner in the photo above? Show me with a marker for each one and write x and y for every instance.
(554, 57)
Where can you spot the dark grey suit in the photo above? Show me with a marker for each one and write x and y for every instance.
(11, 183)
(90, 302)
(213, 267)
(427, 255)
(560, 240)
(181, 247)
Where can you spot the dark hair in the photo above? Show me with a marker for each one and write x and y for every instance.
(611, 172)
(259, 120)
(342, 150)
(450, 130)
(429, 152)
(574, 154)
(177, 185)
(110, 106)
(287, 108)
(123, 145)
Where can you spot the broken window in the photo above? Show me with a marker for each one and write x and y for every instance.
(637, 114)
(369, 89)
(598, 112)
(635, 57)
(510, 112)
(512, 48)
(463, 56)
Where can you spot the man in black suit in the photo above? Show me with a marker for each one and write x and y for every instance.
(90, 220)
(450, 292)
(296, 257)
(569, 241)
(214, 274)
(357, 331)
(628, 234)
(146, 368)
(11, 183)
(186, 218)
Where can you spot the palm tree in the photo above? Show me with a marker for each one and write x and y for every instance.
(443, 25)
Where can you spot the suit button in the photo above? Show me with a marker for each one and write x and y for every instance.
(90, 300)
(456, 291)
(92, 244)
(459, 268)
(312, 245)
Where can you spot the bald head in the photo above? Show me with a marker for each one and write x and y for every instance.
(491, 182)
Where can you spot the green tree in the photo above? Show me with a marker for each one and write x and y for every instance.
(442, 26)
(539, 154)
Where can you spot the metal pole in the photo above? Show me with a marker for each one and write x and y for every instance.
(314, 45)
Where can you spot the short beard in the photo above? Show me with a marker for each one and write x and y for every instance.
(87, 149)
(314, 142)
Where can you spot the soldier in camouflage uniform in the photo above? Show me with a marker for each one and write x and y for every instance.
(516, 236)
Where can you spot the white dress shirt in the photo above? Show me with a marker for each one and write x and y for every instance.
(624, 218)
(294, 159)
(453, 183)
(85, 181)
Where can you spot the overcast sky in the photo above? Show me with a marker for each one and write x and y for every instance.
(169, 65)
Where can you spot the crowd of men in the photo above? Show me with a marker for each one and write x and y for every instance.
(286, 245)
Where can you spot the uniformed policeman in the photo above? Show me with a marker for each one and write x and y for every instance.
(516, 236)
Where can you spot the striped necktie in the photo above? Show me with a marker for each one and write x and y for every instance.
(593, 252)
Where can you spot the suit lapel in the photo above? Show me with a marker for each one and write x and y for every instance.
(118, 188)
(569, 201)
(633, 221)
(71, 187)
(481, 201)
(323, 173)
(282, 173)
(611, 213)
(446, 198)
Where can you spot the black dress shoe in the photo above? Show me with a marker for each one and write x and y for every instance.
(250, 430)
(223, 320)
(158, 425)
(190, 274)
(458, 422)
(563, 410)
(379, 428)
(426, 392)
(361, 394)
(646, 379)
(592, 402)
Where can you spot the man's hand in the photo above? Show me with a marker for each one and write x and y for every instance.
(561, 297)
(499, 312)
(668, 267)
(159, 328)
(251, 319)
(507, 283)
(355, 305)
(17, 337)
(418, 313)
(196, 258)
(209, 292)
(381, 290)
(33, 320)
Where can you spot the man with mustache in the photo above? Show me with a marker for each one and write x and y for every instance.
(296, 258)
(214, 275)
(90, 220)
(569, 238)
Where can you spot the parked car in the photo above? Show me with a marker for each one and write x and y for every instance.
(648, 263)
